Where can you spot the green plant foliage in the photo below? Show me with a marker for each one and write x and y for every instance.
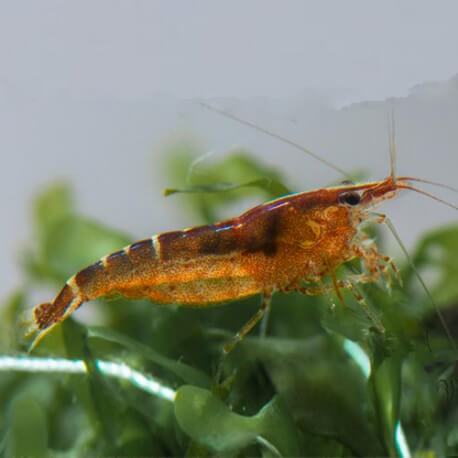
(27, 419)
(187, 373)
(324, 382)
(213, 185)
(436, 255)
(230, 432)
(66, 241)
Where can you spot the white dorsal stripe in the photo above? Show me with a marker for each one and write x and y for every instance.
(156, 245)
(73, 285)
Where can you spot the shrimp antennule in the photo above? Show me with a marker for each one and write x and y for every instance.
(393, 150)
(427, 194)
(431, 182)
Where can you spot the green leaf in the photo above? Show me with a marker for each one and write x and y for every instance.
(67, 242)
(12, 323)
(27, 435)
(230, 432)
(266, 184)
(106, 400)
(212, 185)
(73, 338)
(52, 205)
(436, 258)
(385, 381)
(187, 373)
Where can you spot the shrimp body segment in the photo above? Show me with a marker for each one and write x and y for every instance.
(272, 247)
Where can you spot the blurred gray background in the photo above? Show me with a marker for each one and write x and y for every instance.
(95, 92)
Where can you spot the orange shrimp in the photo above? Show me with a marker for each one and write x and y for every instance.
(289, 244)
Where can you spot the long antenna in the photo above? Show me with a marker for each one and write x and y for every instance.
(427, 194)
(392, 229)
(392, 140)
(277, 136)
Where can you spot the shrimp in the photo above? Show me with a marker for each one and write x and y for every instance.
(289, 244)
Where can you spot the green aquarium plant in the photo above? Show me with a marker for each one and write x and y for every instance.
(149, 381)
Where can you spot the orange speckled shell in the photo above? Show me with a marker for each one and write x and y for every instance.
(270, 247)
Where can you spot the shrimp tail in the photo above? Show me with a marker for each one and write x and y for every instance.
(42, 315)
(108, 275)
(49, 314)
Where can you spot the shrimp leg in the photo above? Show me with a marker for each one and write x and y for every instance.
(251, 323)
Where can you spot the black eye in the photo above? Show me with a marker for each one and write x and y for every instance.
(350, 198)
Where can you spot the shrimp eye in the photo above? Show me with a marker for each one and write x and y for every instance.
(350, 198)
